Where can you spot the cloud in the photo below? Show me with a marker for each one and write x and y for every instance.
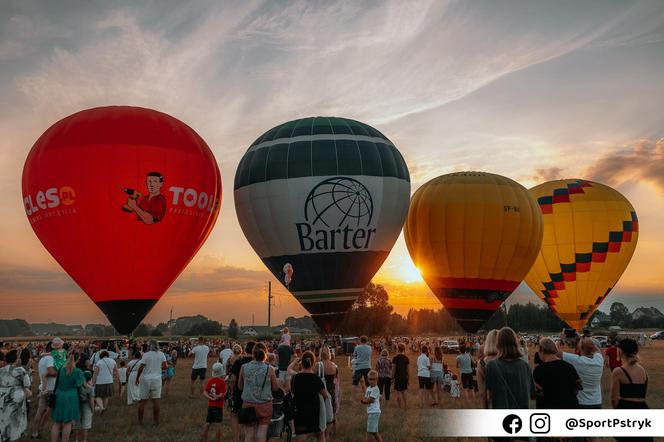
(548, 174)
(642, 161)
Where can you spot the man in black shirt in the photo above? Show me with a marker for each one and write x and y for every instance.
(285, 355)
(557, 381)
(236, 392)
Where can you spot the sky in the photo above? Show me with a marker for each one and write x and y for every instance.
(533, 90)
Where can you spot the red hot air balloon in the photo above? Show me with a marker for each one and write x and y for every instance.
(122, 197)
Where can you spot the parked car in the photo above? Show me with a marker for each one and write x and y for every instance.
(657, 335)
(450, 346)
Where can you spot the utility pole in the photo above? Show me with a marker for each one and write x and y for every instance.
(269, 303)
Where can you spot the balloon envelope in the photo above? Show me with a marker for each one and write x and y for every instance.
(322, 201)
(474, 236)
(590, 234)
(122, 197)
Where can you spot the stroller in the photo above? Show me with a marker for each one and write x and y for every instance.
(282, 406)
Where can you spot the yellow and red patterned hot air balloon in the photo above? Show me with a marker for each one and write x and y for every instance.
(590, 233)
(474, 236)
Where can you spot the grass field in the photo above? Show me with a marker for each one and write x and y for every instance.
(183, 417)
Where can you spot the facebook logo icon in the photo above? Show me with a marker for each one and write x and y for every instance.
(512, 424)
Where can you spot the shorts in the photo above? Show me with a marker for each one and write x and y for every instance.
(150, 389)
(400, 384)
(122, 384)
(372, 422)
(103, 390)
(590, 407)
(263, 411)
(86, 418)
(361, 373)
(43, 400)
(237, 402)
(437, 377)
(215, 415)
(198, 373)
(467, 381)
(425, 383)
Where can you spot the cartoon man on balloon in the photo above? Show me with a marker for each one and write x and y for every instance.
(150, 208)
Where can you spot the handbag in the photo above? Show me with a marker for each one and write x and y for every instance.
(51, 396)
(327, 402)
(247, 415)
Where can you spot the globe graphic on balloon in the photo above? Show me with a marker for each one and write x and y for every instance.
(339, 200)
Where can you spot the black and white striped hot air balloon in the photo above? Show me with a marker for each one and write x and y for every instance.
(322, 201)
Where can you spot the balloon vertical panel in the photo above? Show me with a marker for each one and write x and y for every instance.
(137, 194)
(591, 232)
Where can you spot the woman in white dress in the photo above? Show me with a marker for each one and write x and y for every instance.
(133, 390)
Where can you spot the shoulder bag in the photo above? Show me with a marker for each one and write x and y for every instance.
(329, 411)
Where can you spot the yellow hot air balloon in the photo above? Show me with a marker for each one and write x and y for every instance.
(474, 236)
(590, 233)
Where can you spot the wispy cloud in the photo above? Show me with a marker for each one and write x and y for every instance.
(642, 161)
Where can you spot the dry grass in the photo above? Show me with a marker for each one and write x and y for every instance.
(183, 417)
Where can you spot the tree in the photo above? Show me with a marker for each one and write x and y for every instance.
(233, 329)
(619, 314)
(156, 332)
(141, 330)
(370, 314)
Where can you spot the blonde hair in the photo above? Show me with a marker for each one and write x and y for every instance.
(384, 353)
(324, 353)
(490, 348)
(237, 349)
(372, 374)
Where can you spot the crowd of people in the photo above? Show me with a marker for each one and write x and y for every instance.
(300, 380)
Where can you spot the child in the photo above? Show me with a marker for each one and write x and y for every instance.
(86, 398)
(454, 387)
(372, 400)
(122, 374)
(215, 390)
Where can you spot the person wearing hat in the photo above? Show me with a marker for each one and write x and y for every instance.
(214, 392)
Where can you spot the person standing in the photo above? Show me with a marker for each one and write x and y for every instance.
(47, 375)
(629, 382)
(257, 380)
(133, 387)
(284, 358)
(489, 351)
(199, 368)
(236, 392)
(214, 392)
(589, 364)
(464, 363)
(14, 392)
(149, 379)
(372, 401)
(400, 375)
(105, 372)
(362, 356)
(612, 358)
(225, 354)
(509, 381)
(86, 398)
(424, 376)
(67, 409)
(437, 374)
(556, 380)
(384, 370)
(329, 372)
(307, 388)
